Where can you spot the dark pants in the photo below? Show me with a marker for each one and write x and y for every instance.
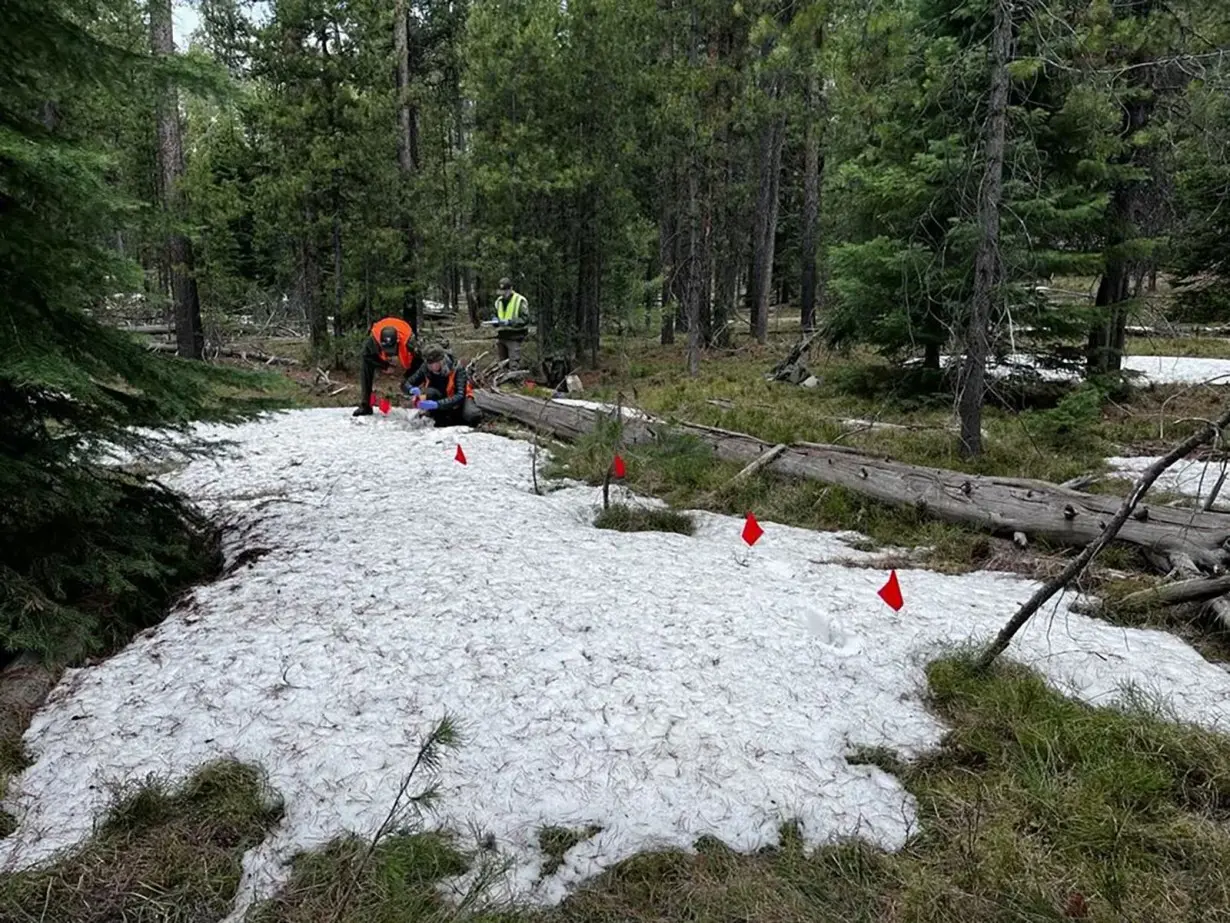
(465, 414)
(370, 363)
(508, 346)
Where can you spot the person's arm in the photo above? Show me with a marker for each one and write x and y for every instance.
(414, 379)
(371, 350)
(459, 392)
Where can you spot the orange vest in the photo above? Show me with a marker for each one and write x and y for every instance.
(404, 333)
(452, 385)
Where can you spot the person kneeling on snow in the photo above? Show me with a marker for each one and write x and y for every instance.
(443, 390)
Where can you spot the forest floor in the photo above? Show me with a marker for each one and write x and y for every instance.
(1045, 791)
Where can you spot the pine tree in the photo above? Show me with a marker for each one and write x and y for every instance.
(88, 554)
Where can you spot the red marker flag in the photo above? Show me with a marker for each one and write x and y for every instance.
(619, 468)
(374, 400)
(460, 456)
(891, 592)
(752, 530)
(384, 405)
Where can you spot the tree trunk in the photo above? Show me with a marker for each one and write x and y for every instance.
(813, 167)
(339, 282)
(972, 387)
(1001, 506)
(666, 249)
(765, 225)
(1127, 206)
(189, 333)
(407, 156)
(693, 286)
(309, 284)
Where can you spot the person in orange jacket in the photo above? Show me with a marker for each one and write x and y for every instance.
(390, 336)
(442, 390)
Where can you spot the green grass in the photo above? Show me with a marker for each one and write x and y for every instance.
(1034, 804)
(162, 854)
(342, 884)
(622, 517)
(556, 841)
(1194, 347)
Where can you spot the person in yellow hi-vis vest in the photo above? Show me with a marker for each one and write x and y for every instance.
(511, 322)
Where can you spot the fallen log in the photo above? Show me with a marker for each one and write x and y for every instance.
(1201, 589)
(999, 505)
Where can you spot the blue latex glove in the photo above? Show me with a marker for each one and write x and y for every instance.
(412, 391)
(428, 405)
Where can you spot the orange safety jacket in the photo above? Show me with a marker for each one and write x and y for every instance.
(451, 388)
(404, 333)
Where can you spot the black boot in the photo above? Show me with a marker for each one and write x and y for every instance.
(363, 410)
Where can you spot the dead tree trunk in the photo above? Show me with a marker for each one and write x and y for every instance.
(189, 332)
(972, 391)
(1001, 506)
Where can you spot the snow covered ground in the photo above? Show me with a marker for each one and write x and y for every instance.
(1158, 370)
(659, 686)
(1189, 478)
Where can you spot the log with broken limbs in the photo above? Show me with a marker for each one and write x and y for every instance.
(1002, 506)
(1078, 564)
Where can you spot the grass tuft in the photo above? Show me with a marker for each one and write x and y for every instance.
(398, 883)
(162, 854)
(556, 841)
(622, 517)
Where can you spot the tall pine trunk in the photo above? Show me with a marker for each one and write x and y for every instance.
(1104, 352)
(189, 333)
(813, 167)
(309, 283)
(987, 257)
(765, 225)
(693, 286)
(407, 156)
(666, 250)
(339, 281)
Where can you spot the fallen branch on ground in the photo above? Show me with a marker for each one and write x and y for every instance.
(1109, 531)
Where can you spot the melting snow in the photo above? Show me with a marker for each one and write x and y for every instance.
(1188, 477)
(659, 686)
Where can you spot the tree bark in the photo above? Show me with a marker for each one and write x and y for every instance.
(813, 167)
(1001, 506)
(766, 228)
(407, 155)
(339, 281)
(765, 224)
(189, 332)
(1104, 352)
(972, 388)
(693, 285)
(666, 259)
(309, 284)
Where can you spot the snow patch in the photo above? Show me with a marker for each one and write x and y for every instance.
(659, 686)
(1188, 477)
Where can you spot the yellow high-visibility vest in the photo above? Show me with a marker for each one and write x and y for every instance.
(510, 309)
